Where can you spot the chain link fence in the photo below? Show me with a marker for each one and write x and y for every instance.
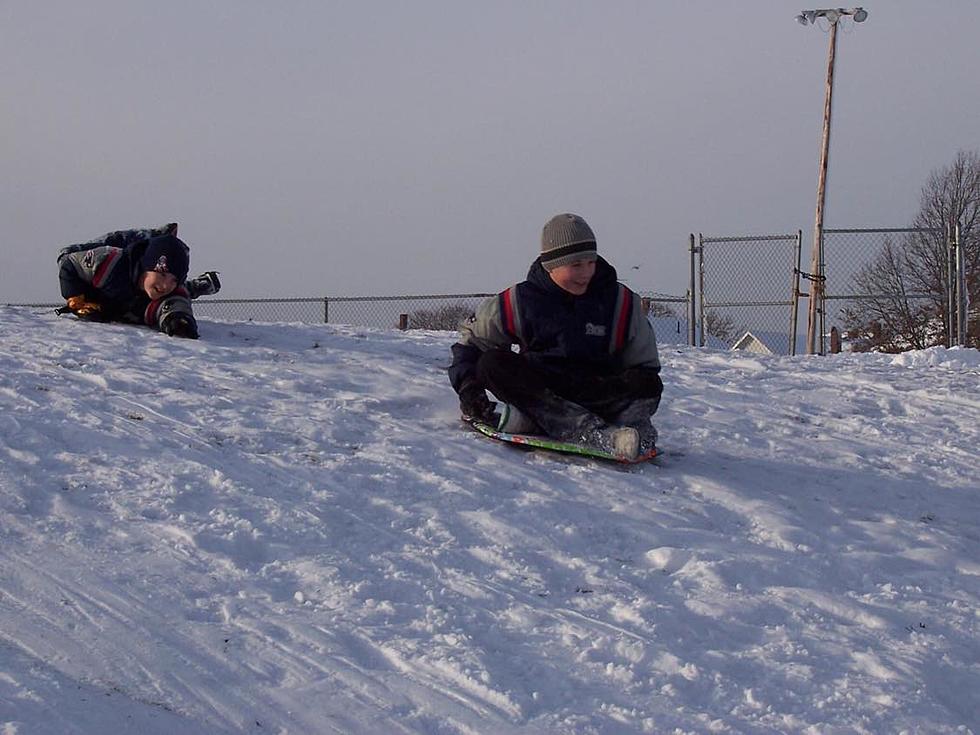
(670, 316)
(744, 293)
(869, 285)
(888, 289)
(749, 290)
(433, 311)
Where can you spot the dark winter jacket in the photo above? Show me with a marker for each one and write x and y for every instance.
(602, 332)
(107, 271)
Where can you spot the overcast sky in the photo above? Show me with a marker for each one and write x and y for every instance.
(315, 148)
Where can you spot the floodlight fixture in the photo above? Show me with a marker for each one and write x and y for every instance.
(809, 17)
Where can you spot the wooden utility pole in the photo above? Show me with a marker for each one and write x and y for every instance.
(814, 331)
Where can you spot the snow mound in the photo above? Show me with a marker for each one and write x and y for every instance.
(954, 358)
(284, 528)
(667, 559)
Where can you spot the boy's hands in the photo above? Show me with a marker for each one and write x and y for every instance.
(473, 401)
(205, 284)
(638, 382)
(179, 325)
(85, 309)
(643, 382)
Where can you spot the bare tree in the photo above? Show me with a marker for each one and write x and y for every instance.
(448, 317)
(889, 317)
(660, 309)
(950, 197)
(908, 310)
(720, 326)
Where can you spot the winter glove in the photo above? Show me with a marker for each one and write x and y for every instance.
(205, 284)
(631, 383)
(643, 382)
(179, 325)
(473, 401)
(85, 309)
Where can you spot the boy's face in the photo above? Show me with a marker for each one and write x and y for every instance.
(574, 277)
(157, 285)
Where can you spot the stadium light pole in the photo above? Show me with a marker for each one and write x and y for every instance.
(814, 332)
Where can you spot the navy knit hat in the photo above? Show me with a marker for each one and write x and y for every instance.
(565, 239)
(166, 254)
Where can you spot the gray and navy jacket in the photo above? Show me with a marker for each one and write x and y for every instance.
(602, 332)
(107, 271)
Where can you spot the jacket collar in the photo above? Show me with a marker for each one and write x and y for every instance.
(605, 275)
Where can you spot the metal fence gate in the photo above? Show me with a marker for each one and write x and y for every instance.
(749, 291)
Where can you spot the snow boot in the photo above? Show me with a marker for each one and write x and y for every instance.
(511, 420)
(648, 437)
(639, 416)
(623, 441)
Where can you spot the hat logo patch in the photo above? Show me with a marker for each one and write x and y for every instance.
(161, 266)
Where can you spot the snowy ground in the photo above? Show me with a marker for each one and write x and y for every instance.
(283, 529)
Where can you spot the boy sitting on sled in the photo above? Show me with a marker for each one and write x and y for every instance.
(587, 370)
(134, 276)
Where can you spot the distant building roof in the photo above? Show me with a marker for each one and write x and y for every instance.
(748, 342)
(769, 343)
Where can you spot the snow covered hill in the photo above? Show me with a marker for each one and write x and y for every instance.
(283, 529)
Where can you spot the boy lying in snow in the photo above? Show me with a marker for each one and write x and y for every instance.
(134, 276)
(588, 369)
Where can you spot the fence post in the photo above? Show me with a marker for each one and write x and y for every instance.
(951, 307)
(961, 293)
(692, 337)
(326, 310)
(795, 315)
(823, 294)
(701, 284)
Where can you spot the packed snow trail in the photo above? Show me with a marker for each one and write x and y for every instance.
(284, 528)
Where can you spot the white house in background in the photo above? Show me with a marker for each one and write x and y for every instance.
(748, 342)
(769, 343)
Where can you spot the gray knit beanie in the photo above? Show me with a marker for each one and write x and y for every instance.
(565, 239)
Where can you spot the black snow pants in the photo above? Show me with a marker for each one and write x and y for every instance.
(563, 404)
